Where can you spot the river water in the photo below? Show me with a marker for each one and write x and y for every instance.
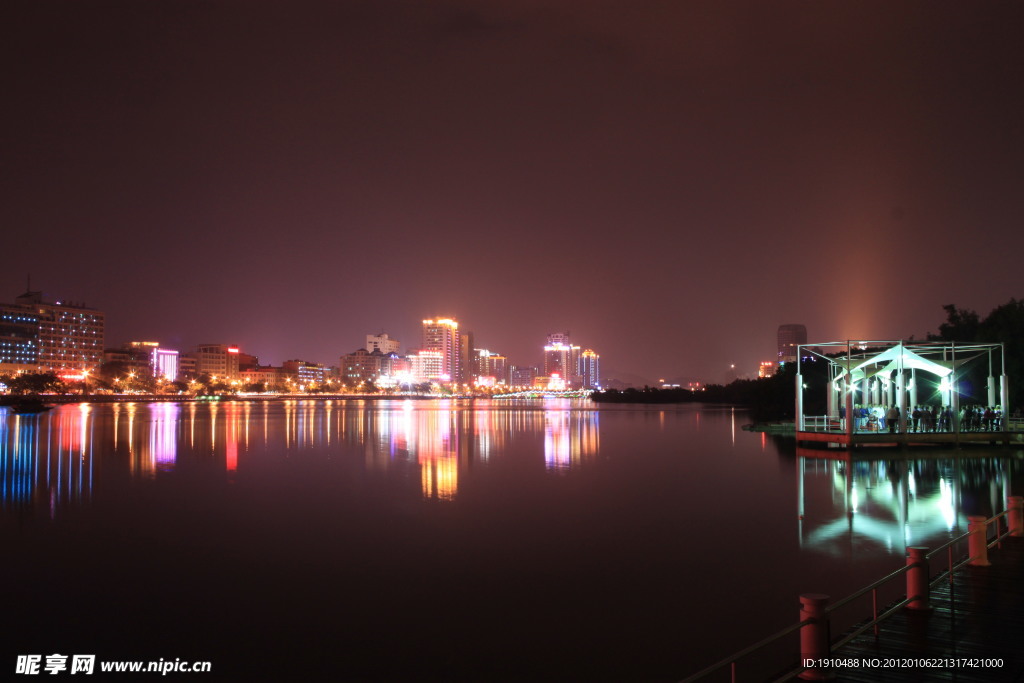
(447, 539)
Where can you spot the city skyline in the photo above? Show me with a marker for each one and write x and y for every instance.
(688, 176)
(40, 334)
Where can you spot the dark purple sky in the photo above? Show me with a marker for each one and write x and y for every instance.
(668, 181)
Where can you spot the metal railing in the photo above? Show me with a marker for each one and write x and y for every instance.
(976, 536)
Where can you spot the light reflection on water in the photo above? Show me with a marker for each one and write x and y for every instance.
(540, 506)
(437, 437)
(889, 505)
(47, 459)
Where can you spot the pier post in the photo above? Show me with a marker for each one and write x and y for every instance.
(814, 636)
(917, 578)
(1015, 516)
(977, 542)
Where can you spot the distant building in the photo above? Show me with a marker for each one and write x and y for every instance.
(490, 365)
(69, 336)
(217, 360)
(19, 339)
(247, 361)
(360, 366)
(272, 378)
(789, 338)
(304, 372)
(767, 369)
(187, 364)
(590, 369)
(522, 375)
(381, 342)
(465, 373)
(562, 358)
(147, 358)
(442, 336)
(428, 366)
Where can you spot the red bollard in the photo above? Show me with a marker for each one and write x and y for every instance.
(977, 542)
(1015, 515)
(814, 637)
(918, 591)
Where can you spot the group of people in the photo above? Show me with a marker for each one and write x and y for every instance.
(927, 418)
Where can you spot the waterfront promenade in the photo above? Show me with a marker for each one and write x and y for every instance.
(976, 621)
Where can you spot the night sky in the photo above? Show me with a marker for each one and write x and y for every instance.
(668, 181)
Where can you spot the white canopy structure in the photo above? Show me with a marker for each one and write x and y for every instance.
(897, 373)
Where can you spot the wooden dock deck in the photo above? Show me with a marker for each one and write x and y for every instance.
(909, 438)
(979, 616)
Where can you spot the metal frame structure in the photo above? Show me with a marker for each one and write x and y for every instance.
(873, 372)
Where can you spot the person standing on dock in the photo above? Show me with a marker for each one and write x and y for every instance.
(892, 416)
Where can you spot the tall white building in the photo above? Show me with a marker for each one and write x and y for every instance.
(442, 336)
(381, 342)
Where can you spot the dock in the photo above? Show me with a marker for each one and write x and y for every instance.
(844, 439)
(975, 620)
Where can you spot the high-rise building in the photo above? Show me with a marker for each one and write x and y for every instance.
(789, 338)
(590, 369)
(70, 335)
(381, 342)
(562, 358)
(490, 365)
(466, 375)
(19, 339)
(442, 336)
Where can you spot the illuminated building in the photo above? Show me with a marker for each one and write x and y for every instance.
(69, 335)
(562, 358)
(381, 342)
(590, 369)
(442, 336)
(492, 365)
(360, 366)
(522, 375)
(789, 338)
(427, 366)
(217, 360)
(145, 358)
(767, 369)
(272, 378)
(304, 372)
(19, 339)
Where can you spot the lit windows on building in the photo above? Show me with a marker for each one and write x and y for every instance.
(381, 342)
(69, 336)
(217, 360)
(19, 338)
(442, 336)
(590, 369)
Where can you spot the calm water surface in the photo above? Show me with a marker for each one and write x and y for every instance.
(334, 540)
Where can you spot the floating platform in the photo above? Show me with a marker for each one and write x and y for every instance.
(881, 439)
